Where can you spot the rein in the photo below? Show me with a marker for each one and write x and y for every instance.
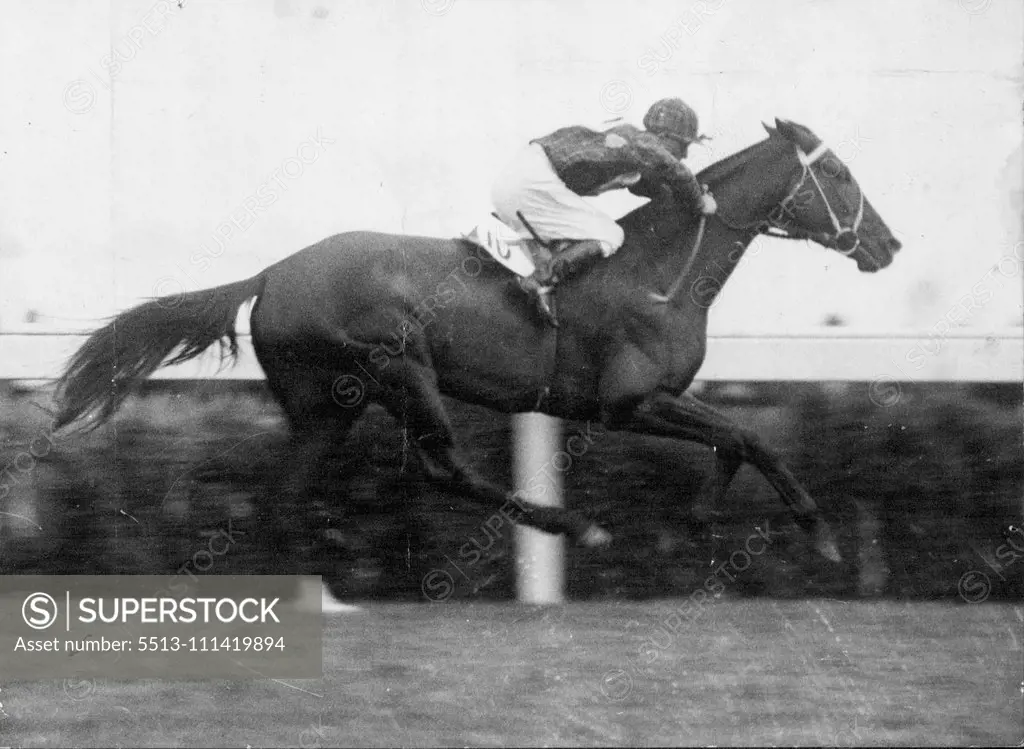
(669, 295)
(772, 228)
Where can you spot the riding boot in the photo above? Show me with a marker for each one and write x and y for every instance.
(540, 284)
(575, 257)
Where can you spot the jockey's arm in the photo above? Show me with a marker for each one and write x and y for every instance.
(659, 166)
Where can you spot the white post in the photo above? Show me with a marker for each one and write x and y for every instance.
(540, 557)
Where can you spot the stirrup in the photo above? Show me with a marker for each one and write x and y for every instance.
(540, 295)
(531, 285)
(544, 307)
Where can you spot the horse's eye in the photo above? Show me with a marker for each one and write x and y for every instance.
(835, 169)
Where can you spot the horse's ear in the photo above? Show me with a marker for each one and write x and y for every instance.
(785, 127)
(797, 134)
(772, 132)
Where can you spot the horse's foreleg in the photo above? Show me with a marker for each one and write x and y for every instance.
(712, 491)
(687, 418)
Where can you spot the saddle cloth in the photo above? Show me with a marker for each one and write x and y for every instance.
(504, 244)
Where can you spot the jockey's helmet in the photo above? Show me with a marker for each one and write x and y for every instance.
(674, 119)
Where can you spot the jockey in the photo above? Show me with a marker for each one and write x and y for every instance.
(545, 182)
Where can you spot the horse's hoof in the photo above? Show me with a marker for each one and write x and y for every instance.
(595, 537)
(831, 552)
(825, 543)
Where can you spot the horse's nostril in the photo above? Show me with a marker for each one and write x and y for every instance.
(895, 245)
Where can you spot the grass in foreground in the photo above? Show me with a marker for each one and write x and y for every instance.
(744, 672)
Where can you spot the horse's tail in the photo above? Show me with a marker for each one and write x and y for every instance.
(137, 342)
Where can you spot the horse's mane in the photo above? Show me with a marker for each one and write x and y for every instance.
(723, 168)
(709, 175)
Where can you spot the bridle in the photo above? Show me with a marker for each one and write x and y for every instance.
(844, 239)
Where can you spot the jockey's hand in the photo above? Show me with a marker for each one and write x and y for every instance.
(708, 204)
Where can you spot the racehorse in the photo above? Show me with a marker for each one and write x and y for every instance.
(365, 317)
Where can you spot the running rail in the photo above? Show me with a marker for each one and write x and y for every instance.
(793, 357)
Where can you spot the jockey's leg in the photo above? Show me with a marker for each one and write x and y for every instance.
(575, 257)
(530, 188)
(567, 262)
(540, 283)
(542, 258)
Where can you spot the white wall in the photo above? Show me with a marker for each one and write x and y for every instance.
(109, 186)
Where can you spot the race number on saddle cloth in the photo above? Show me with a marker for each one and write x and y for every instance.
(504, 245)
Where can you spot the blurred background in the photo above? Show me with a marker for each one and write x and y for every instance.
(189, 479)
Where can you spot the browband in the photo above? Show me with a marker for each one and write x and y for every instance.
(809, 158)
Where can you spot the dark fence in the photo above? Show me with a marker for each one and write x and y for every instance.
(923, 483)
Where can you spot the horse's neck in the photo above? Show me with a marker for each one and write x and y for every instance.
(662, 262)
(718, 256)
(741, 192)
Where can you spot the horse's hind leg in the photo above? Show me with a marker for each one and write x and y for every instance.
(413, 399)
(321, 406)
(314, 452)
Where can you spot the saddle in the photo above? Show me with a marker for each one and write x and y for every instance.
(539, 265)
(507, 247)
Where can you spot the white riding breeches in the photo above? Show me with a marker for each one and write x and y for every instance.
(530, 185)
